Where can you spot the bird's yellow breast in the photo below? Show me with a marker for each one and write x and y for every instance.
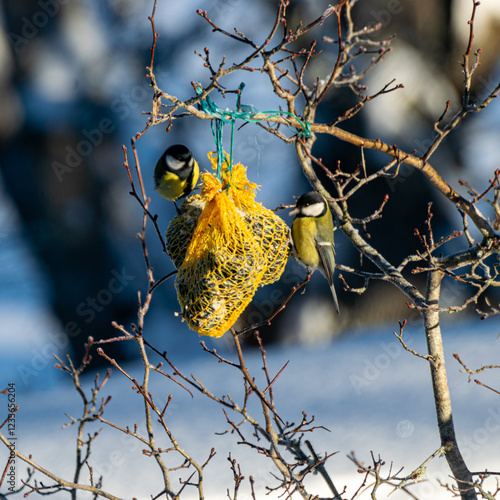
(304, 240)
(171, 187)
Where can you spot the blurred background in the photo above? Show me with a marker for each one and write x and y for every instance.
(73, 91)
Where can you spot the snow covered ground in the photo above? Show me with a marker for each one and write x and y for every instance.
(364, 388)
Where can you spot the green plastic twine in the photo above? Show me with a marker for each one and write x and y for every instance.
(243, 112)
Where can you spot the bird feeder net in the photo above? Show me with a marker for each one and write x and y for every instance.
(224, 245)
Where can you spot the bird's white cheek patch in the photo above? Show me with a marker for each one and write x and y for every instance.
(173, 164)
(314, 210)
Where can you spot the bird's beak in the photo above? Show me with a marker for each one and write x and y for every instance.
(295, 211)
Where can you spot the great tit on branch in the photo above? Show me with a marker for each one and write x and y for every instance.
(176, 173)
(312, 236)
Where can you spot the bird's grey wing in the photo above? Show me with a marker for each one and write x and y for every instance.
(327, 255)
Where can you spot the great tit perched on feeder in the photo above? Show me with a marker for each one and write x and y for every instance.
(176, 173)
(312, 236)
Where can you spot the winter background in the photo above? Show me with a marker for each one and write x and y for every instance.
(351, 374)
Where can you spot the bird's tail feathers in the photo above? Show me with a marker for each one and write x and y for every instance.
(335, 300)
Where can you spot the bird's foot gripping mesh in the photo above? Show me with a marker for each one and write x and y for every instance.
(224, 245)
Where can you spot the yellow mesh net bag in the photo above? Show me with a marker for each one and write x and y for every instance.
(224, 245)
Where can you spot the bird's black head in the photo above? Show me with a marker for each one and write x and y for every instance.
(311, 204)
(179, 160)
(179, 152)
